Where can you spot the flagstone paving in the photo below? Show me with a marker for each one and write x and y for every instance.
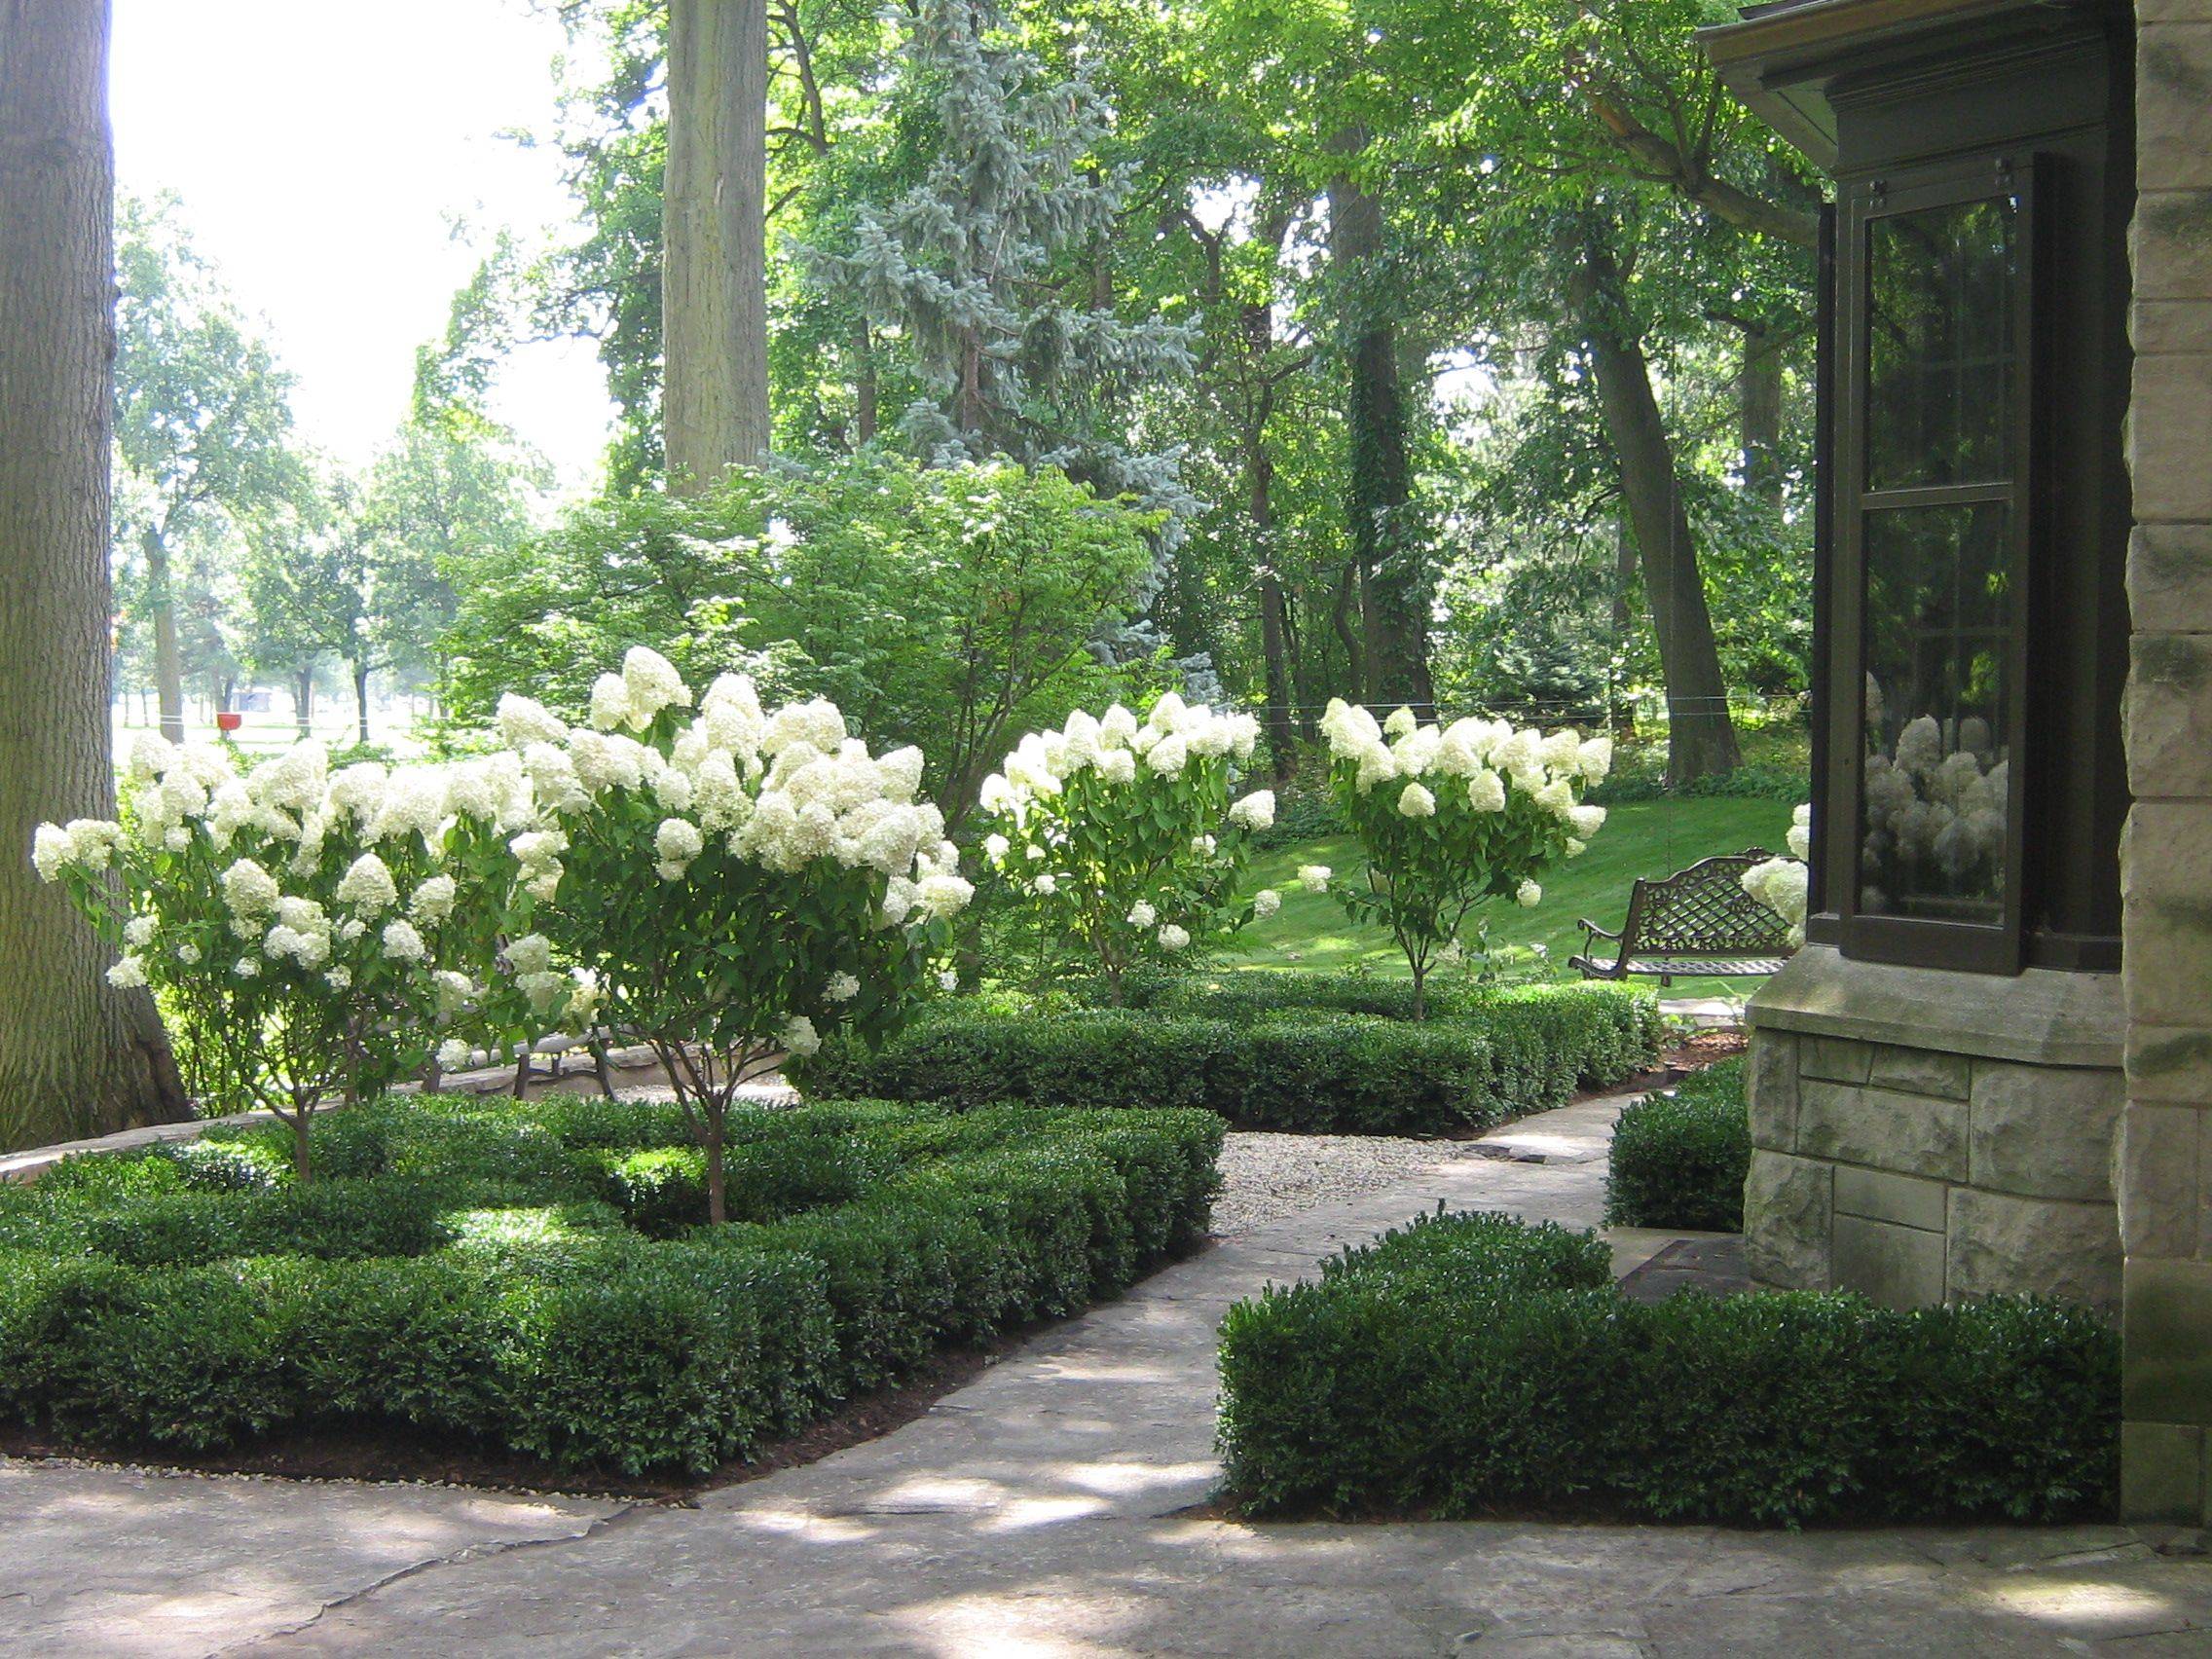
(1046, 1509)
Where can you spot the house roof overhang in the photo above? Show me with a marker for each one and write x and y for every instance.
(1793, 61)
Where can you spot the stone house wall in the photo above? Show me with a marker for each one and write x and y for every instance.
(1916, 1174)
(2165, 1167)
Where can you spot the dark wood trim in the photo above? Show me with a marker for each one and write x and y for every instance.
(1989, 949)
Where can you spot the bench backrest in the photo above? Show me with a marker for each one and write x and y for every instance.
(1703, 910)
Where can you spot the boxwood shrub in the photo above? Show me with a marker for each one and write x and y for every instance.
(1679, 1159)
(1262, 1062)
(530, 1277)
(1469, 1365)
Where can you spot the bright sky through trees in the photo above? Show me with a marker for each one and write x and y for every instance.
(324, 153)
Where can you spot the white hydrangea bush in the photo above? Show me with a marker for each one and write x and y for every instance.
(1122, 840)
(1936, 813)
(736, 882)
(1449, 817)
(1782, 885)
(320, 927)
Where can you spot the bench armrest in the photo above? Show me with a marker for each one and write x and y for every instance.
(1596, 932)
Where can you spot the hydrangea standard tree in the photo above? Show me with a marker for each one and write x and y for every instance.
(1121, 836)
(1449, 817)
(316, 928)
(736, 882)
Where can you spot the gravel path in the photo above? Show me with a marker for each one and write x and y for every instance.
(1265, 1177)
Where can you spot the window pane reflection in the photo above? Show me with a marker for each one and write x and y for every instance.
(1939, 345)
(1938, 703)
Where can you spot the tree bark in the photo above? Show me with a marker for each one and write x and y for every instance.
(1758, 393)
(714, 224)
(77, 1057)
(169, 659)
(865, 384)
(1394, 590)
(1700, 738)
(361, 698)
(303, 702)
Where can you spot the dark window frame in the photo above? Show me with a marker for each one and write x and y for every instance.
(1997, 948)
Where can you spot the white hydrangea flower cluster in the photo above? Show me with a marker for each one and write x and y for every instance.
(1938, 806)
(1783, 885)
(1488, 755)
(1112, 745)
(1124, 830)
(256, 891)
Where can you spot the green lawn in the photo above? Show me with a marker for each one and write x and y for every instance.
(1652, 838)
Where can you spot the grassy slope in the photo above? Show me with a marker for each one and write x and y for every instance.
(1649, 838)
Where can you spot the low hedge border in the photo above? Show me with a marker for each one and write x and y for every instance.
(1680, 1159)
(1264, 1063)
(485, 1270)
(1470, 1364)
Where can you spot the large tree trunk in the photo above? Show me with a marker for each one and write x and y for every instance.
(169, 659)
(1758, 393)
(77, 1057)
(714, 224)
(1394, 611)
(1700, 738)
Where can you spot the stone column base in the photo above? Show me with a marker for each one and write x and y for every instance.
(1920, 1136)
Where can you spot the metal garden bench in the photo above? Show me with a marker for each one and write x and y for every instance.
(1697, 923)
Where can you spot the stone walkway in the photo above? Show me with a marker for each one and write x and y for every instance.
(1039, 1511)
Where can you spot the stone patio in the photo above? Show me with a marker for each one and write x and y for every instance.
(1047, 1509)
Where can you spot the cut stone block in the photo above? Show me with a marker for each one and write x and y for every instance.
(1898, 1266)
(1771, 1089)
(1921, 1071)
(2162, 1473)
(2045, 1131)
(2158, 1180)
(1841, 1060)
(2166, 1326)
(1908, 1200)
(1786, 1219)
(1882, 1129)
(2003, 1244)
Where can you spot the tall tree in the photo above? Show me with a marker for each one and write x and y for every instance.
(203, 424)
(1701, 737)
(713, 217)
(77, 1057)
(1389, 571)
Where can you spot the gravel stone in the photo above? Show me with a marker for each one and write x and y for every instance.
(1265, 1177)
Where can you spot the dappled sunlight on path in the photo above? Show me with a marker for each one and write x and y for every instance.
(1052, 1507)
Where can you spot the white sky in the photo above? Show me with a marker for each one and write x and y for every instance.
(322, 149)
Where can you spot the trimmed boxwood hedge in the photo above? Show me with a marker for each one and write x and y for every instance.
(1267, 1063)
(1470, 1364)
(528, 1276)
(1680, 1159)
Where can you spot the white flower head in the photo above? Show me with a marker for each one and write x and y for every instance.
(1266, 902)
(401, 943)
(367, 886)
(948, 980)
(128, 973)
(454, 1054)
(1142, 915)
(1313, 877)
(1416, 802)
(1173, 938)
(799, 1036)
(842, 987)
(1527, 896)
(1256, 811)
(433, 900)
